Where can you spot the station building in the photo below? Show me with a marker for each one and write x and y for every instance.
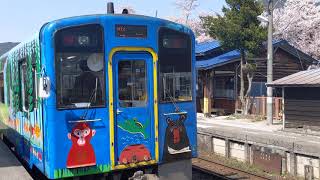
(219, 76)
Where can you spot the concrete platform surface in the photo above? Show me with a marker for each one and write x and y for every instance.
(10, 167)
(260, 134)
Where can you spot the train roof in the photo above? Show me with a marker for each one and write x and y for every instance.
(167, 23)
(21, 44)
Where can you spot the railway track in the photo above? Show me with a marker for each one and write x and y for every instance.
(204, 174)
(220, 171)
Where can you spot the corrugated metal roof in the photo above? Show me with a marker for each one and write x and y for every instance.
(213, 44)
(219, 60)
(308, 78)
(207, 46)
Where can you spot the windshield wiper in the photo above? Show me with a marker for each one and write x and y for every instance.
(172, 99)
(92, 96)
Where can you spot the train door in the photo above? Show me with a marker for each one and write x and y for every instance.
(25, 105)
(30, 118)
(133, 108)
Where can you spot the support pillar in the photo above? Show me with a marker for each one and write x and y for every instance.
(247, 153)
(206, 94)
(293, 164)
(270, 64)
(319, 166)
(212, 145)
(227, 148)
(284, 169)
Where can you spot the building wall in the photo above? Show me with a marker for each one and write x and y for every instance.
(227, 104)
(302, 107)
(284, 64)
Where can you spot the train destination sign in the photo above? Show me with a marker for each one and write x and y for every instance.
(127, 31)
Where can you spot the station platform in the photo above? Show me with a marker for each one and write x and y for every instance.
(270, 148)
(10, 167)
(260, 133)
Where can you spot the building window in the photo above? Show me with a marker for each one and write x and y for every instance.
(224, 87)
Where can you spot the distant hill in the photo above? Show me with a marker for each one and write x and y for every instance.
(5, 47)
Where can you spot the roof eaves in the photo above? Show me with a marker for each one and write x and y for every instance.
(218, 65)
(284, 45)
(309, 78)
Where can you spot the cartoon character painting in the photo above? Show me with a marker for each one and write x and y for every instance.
(134, 153)
(133, 126)
(176, 144)
(81, 153)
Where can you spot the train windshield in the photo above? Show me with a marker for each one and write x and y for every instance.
(175, 66)
(79, 65)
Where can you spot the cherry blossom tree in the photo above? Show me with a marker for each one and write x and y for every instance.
(187, 8)
(299, 23)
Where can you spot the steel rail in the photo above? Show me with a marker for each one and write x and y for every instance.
(206, 171)
(233, 168)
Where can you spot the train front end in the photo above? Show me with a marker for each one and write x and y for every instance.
(118, 96)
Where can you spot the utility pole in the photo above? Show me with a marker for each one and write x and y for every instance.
(270, 63)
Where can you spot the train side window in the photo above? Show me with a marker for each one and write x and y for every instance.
(8, 82)
(27, 85)
(1, 88)
(175, 61)
(2, 79)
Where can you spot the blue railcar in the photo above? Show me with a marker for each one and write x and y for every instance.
(101, 94)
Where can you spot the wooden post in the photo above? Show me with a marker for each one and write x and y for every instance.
(211, 84)
(264, 106)
(206, 94)
(276, 108)
(235, 88)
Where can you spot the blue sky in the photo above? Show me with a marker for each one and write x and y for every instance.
(19, 19)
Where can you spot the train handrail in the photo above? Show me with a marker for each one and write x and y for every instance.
(85, 120)
(175, 113)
